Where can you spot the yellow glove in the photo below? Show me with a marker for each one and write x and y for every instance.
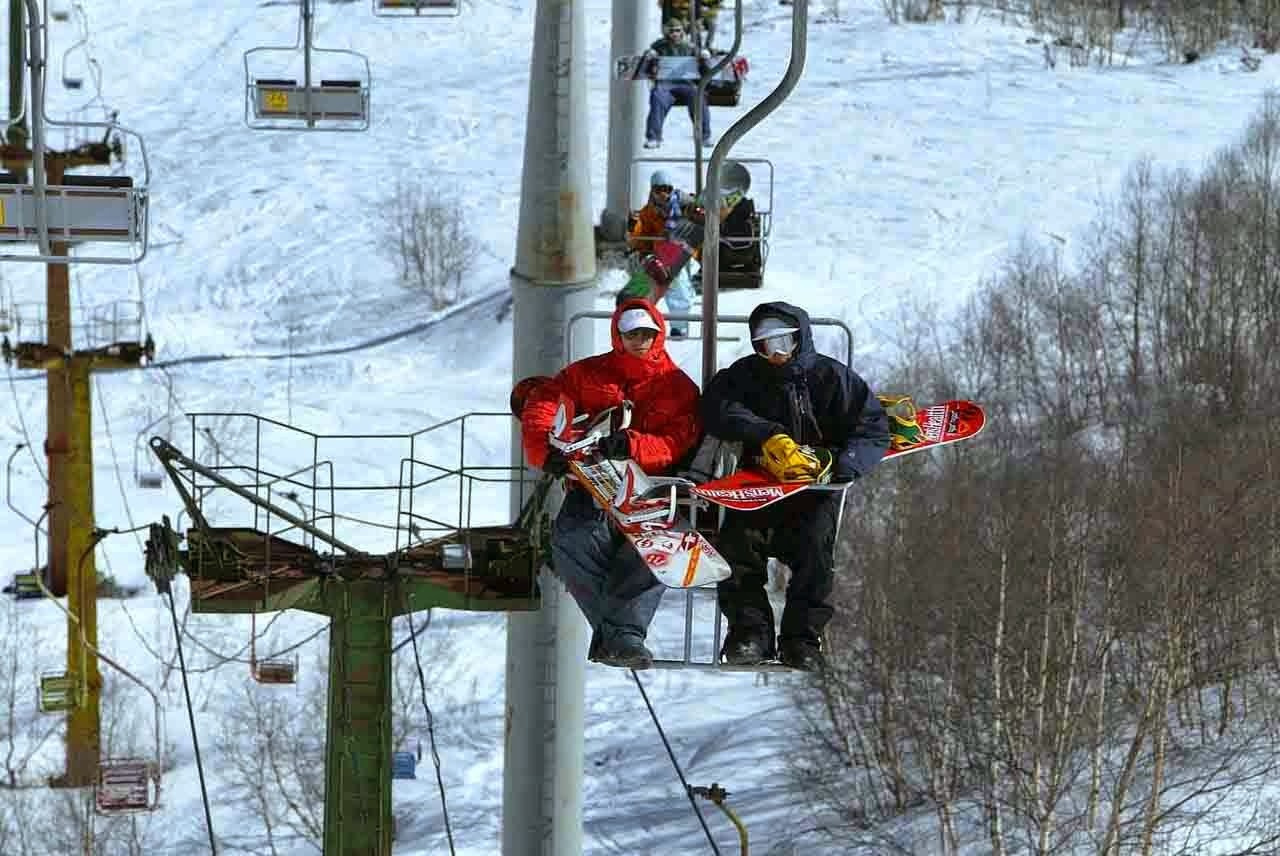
(788, 462)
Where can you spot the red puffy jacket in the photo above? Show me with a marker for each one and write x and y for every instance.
(664, 424)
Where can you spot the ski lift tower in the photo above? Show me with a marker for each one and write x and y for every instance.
(629, 27)
(45, 217)
(552, 280)
(329, 551)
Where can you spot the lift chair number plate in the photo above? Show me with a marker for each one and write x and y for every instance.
(275, 101)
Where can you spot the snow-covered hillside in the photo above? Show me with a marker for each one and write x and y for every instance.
(908, 162)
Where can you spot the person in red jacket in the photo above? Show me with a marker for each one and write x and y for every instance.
(606, 576)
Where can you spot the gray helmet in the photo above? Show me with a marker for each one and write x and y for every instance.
(734, 178)
(660, 178)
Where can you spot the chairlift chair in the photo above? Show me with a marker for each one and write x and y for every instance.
(417, 8)
(94, 208)
(723, 90)
(277, 103)
(404, 765)
(25, 586)
(69, 81)
(59, 691)
(109, 209)
(744, 244)
(272, 670)
(126, 785)
(151, 479)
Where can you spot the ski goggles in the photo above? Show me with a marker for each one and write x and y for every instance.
(779, 343)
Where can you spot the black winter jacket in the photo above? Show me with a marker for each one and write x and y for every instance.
(815, 399)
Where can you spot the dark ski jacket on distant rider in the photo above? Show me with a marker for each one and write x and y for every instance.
(814, 398)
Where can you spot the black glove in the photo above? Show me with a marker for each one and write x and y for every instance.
(617, 446)
(556, 464)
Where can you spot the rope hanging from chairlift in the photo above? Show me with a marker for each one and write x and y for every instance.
(688, 791)
(431, 728)
(191, 718)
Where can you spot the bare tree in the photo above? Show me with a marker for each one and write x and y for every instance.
(425, 232)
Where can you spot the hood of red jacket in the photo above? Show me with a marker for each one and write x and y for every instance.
(658, 352)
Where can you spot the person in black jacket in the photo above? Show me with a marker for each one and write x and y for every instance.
(781, 403)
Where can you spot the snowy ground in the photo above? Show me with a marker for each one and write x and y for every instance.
(909, 161)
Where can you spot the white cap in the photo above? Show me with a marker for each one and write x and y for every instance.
(635, 319)
(770, 327)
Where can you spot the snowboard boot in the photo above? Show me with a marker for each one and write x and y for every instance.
(625, 651)
(802, 654)
(747, 647)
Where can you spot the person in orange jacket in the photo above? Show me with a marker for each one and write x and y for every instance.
(605, 575)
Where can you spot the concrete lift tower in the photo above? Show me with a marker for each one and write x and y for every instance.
(628, 37)
(554, 277)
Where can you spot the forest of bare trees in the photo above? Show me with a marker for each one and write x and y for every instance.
(1106, 31)
(1063, 635)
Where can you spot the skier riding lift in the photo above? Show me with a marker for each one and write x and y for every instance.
(606, 576)
(782, 402)
(668, 92)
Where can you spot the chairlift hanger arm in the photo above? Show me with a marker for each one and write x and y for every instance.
(735, 132)
(93, 649)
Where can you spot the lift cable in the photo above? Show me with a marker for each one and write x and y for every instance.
(431, 728)
(275, 655)
(688, 791)
(199, 359)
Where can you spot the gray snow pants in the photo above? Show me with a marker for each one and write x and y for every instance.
(606, 576)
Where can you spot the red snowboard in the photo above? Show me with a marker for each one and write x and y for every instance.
(750, 489)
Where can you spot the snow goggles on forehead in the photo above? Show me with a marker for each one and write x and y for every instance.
(775, 343)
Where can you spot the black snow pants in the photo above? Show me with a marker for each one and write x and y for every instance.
(799, 531)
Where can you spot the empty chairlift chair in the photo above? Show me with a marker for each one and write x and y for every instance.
(83, 208)
(24, 587)
(339, 102)
(417, 8)
(273, 670)
(70, 79)
(59, 691)
(126, 785)
(404, 765)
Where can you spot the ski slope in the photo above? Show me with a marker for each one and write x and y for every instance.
(909, 162)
